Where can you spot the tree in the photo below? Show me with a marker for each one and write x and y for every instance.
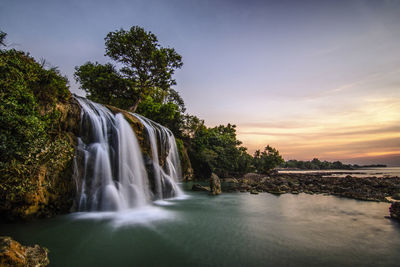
(146, 64)
(217, 150)
(105, 85)
(267, 160)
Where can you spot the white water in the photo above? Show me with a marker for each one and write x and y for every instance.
(109, 170)
(165, 179)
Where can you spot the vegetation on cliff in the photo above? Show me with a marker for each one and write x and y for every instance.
(33, 149)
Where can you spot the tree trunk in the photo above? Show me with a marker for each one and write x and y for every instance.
(135, 105)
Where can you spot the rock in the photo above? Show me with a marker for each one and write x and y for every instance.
(254, 192)
(395, 210)
(231, 180)
(254, 178)
(396, 196)
(284, 188)
(14, 254)
(188, 174)
(215, 185)
(199, 187)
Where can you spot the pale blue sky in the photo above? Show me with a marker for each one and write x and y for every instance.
(302, 76)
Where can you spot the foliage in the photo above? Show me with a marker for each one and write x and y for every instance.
(104, 84)
(217, 150)
(144, 61)
(316, 164)
(166, 114)
(143, 84)
(147, 70)
(24, 84)
(28, 120)
(267, 160)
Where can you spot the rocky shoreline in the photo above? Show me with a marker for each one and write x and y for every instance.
(369, 188)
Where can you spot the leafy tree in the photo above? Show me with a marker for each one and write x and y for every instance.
(143, 84)
(267, 160)
(217, 150)
(145, 63)
(104, 84)
(167, 114)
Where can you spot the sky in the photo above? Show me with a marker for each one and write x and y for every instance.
(311, 78)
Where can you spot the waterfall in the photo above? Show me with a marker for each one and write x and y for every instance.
(110, 173)
(161, 139)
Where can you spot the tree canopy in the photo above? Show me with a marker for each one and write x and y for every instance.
(147, 70)
(217, 150)
(267, 160)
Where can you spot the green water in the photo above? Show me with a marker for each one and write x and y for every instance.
(237, 229)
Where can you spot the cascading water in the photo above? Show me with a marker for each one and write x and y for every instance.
(165, 180)
(109, 169)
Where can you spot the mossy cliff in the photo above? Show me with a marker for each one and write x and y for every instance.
(39, 120)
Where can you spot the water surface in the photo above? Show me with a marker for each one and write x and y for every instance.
(237, 229)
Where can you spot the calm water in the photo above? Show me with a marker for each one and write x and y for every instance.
(237, 229)
(366, 172)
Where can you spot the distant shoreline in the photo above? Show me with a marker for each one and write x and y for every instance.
(360, 188)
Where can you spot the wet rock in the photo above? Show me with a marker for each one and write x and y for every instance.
(368, 189)
(199, 187)
(14, 254)
(396, 196)
(215, 185)
(395, 210)
(254, 192)
(231, 180)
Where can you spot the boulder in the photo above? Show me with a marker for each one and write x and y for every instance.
(395, 210)
(215, 185)
(231, 180)
(199, 187)
(14, 254)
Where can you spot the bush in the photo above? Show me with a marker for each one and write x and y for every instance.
(28, 123)
(28, 95)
